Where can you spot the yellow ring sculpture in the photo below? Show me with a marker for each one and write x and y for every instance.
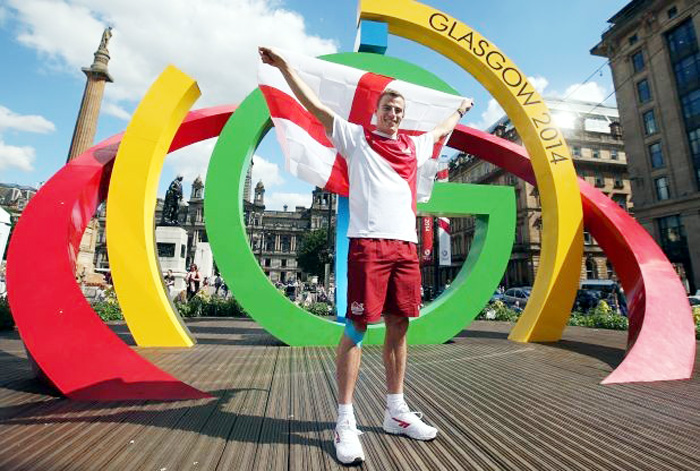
(557, 278)
(138, 283)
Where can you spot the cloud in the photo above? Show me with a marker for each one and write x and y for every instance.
(116, 111)
(21, 158)
(492, 114)
(191, 161)
(266, 171)
(276, 201)
(591, 92)
(212, 41)
(540, 83)
(27, 123)
(3, 15)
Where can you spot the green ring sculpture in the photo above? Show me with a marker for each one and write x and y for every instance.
(494, 208)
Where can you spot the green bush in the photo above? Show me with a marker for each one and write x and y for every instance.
(601, 321)
(6, 320)
(498, 311)
(602, 317)
(199, 306)
(108, 311)
(203, 305)
(108, 308)
(321, 309)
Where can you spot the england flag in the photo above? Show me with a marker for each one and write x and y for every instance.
(352, 94)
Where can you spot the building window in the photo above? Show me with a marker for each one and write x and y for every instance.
(165, 249)
(618, 182)
(687, 71)
(576, 151)
(691, 105)
(650, 126)
(672, 12)
(614, 155)
(267, 262)
(596, 153)
(656, 155)
(284, 262)
(694, 141)
(662, 191)
(621, 200)
(681, 40)
(638, 61)
(643, 91)
(599, 180)
(633, 39)
(587, 239)
(286, 244)
(591, 269)
(671, 230)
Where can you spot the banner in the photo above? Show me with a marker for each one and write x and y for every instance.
(426, 240)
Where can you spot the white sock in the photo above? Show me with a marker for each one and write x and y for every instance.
(345, 411)
(394, 401)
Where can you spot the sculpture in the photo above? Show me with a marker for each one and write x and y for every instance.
(171, 205)
(106, 35)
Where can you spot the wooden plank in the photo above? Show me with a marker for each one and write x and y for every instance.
(499, 406)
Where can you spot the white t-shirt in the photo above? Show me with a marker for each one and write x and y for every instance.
(382, 176)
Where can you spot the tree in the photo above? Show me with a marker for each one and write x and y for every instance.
(313, 252)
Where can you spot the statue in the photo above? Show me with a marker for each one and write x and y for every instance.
(171, 205)
(106, 35)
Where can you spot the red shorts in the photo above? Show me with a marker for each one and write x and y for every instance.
(383, 277)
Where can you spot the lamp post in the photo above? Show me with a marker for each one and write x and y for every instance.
(329, 248)
(436, 257)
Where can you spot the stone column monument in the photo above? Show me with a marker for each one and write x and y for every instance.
(83, 138)
(97, 75)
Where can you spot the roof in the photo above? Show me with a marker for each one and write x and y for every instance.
(627, 11)
(18, 186)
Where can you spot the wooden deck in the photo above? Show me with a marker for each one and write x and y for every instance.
(499, 405)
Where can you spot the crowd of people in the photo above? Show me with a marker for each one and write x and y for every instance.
(307, 293)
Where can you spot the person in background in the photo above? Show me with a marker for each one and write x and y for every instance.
(193, 281)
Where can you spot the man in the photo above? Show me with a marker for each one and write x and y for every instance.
(383, 270)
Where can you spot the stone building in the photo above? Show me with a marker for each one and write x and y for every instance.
(276, 236)
(652, 47)
(598, 157)
(14, 198)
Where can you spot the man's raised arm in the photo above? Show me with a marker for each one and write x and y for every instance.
(444, 128)
(301, 90)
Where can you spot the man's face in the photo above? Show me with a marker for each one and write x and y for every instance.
(389, 114)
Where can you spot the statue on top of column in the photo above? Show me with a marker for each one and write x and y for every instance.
(106, 35)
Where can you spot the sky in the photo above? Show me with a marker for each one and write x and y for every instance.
(44, 44)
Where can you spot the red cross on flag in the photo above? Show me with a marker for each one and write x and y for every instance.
(352, 94)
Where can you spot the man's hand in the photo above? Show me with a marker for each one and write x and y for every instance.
(446, 127)
(270, 57)
(301, 90)
(466, 105)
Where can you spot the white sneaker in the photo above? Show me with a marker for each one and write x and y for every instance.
(348, 448)
(405, 422)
